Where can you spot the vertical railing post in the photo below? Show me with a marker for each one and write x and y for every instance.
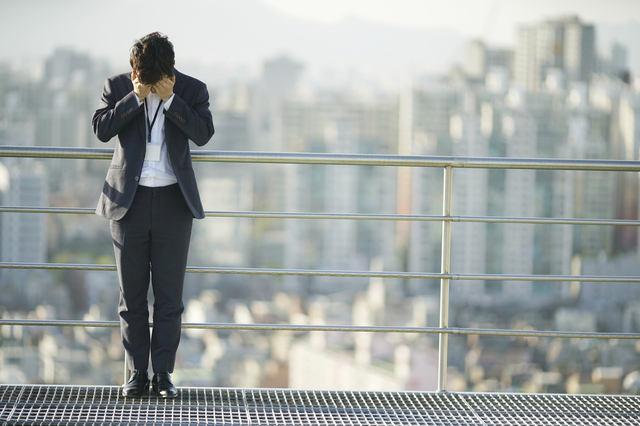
(444, 282)
(126, 368)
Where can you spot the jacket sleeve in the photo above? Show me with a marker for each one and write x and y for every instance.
(194, 121)
(113, 115)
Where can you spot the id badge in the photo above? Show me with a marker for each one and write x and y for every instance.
(153, 153)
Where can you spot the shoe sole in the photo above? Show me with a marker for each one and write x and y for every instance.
(159, 395)
(136, 395)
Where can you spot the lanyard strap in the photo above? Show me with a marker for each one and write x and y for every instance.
(150, 125)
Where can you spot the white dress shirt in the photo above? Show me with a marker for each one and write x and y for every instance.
(156, 170)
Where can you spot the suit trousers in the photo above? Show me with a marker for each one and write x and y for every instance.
(151, 243)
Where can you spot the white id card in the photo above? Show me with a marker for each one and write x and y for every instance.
(153, 153)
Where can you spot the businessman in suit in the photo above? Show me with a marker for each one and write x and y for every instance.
(151, 197)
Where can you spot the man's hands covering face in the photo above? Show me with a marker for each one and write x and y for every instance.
(164, 88)
(141, 90)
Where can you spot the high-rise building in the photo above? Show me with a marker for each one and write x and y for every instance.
(595, 195)
(281, 74)
(619, 56)
(560, 248)
(279, 80)
(338, 124)
(227, 240)
(629, 123)
(470, 192)
(425, 237)
(629, 126)
(605, 96)
(340, 188)
(67, 67)
(566, 43)
(579, 50)
(526, 71)
(297, 252)
(425, 115)
(519, 129)
(481, 59)
(23, 236)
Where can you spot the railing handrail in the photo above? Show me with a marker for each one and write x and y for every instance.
(354, 216)
(344, 159)
(448, 163)
(329, 273)
(339, 328)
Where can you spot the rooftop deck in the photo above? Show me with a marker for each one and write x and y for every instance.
(103, 405)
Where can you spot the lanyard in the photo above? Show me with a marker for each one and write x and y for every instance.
(150, 125)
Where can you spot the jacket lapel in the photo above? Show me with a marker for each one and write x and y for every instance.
(169, 126)
(179, 84)
(137, 121)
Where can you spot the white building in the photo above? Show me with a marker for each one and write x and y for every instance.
(470, 198)
(366, 361)
(24, 235)
(565, 43)
(480, 59)
(595, 192)
(425, 116)
(579, 59)
(227, 239)
(630, 123)
(563, 193)
(519, 201)
(426, 199)
(339, 248)
(298, 254)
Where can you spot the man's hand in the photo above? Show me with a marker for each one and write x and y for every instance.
(164, 88)
(141, 90)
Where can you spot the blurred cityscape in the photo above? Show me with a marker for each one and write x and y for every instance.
(552, 96)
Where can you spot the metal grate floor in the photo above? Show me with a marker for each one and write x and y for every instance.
(65, 405)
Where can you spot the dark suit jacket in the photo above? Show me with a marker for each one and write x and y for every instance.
(188, 118)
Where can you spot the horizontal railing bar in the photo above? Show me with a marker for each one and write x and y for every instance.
(57, 266)
(344, 159)
(54, 210)
(545, 220)
(338, 328)
(355, 216)
(562, 278)
(326, 273)
(56, 152)
(414, 161)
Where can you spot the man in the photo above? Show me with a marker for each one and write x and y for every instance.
(150, 196)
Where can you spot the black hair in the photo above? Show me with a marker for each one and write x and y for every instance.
(152, 58)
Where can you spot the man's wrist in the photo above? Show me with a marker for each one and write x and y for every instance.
(167, 102)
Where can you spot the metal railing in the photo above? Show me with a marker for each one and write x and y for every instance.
(445, 275)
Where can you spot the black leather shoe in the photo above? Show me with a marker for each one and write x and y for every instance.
(163, 386)
(137, 385)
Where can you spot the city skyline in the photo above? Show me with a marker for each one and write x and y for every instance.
(412, 37)
(579, 109)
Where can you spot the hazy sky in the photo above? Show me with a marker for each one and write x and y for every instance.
(493, 20)
(248, 31)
